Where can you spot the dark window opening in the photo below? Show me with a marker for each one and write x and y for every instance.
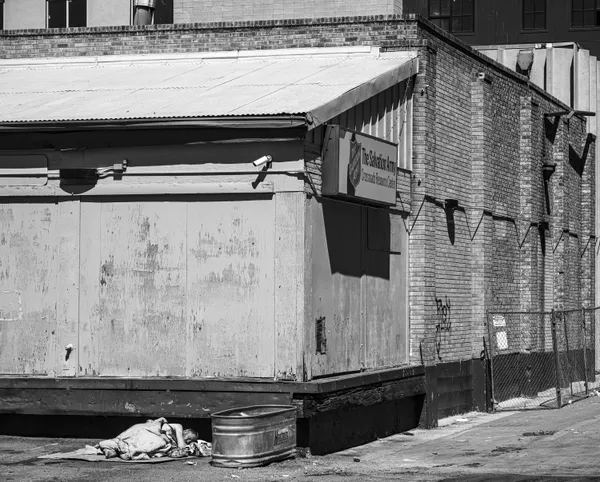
(585, 13)
(77, 13)
(67, 13)
(534, 14)
(456, 16)
(1, 14)
(163, 12)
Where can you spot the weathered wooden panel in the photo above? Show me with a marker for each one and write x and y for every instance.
(386, 291)
(289, 284)
(230, 282)
(28, 286)
(133, 288)
(67, 287)
(89, 287)
(337, 268)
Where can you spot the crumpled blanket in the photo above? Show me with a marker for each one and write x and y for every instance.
(155, 438)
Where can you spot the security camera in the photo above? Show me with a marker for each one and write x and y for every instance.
(261, 161)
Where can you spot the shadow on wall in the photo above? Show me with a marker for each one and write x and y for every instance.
(551, 128)
(576, 161)
(358, 238)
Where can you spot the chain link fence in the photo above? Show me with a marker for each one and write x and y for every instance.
(541, 359)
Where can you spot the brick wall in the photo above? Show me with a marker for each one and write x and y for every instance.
(188, 11)
(490, 159)
(478, 140)
(384, 31)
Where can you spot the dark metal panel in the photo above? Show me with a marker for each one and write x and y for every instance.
(57, 13)
(77, 13)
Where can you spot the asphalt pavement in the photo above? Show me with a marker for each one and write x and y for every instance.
(537, 445)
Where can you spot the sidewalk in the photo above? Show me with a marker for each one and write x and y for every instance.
(507, 446)
(563, 443)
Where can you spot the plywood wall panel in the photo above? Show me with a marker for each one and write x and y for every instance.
(337, 267)
(386, 318)
(289, 283)
(231, 288)
(28, 286)
(137, 316)
(67, 287)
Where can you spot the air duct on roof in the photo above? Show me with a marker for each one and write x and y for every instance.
(143, 11)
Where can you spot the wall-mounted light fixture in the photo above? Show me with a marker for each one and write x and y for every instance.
(544, 225)
(547, 170)
(525, 62)
(450, 204)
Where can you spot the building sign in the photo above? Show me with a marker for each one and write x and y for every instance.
(359, 166)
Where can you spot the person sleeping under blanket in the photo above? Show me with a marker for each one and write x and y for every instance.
(154, 438)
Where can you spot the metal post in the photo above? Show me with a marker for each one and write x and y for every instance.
(569, 368)
(556, 361)
(491, 357)
(585, 380)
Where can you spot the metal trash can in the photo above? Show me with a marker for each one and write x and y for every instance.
(253, 436)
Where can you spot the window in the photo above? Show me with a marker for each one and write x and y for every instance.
(534, 14)
(66, 13)
(455, 16)
(1, 14)
(585, 13)
(163, 12)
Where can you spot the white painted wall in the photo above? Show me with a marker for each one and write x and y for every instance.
(20, 14)
(108, 12)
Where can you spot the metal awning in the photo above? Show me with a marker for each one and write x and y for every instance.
(317, 84)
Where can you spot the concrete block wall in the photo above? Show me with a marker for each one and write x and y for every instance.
(479, 141)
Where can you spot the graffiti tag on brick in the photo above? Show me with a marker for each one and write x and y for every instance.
(444, 324)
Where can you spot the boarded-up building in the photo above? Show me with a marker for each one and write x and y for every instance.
(186, 279)
(140, 240)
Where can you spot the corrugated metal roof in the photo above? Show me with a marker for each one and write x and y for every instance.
(296, 81)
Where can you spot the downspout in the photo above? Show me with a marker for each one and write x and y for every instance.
(143, 12)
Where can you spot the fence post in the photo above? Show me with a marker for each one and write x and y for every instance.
(491, 358)
(585, 380)
(556, 361)
(569, 355)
